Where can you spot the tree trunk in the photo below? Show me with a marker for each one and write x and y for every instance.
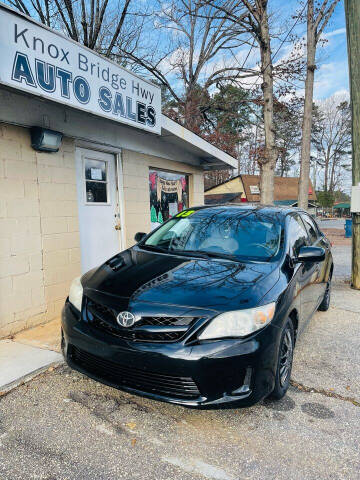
(267, 165)
(332, 176)
(283, 162)
(266, 183)
(352, 13)
(326, 173)
(315, 175)
(303, 196)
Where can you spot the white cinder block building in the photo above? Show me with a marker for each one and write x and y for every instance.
(121, 166)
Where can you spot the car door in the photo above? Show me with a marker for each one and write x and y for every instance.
(310, 275)
(318, 240)
(297, 238)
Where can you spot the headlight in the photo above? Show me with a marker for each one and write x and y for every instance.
(239, 323)
(76, 293)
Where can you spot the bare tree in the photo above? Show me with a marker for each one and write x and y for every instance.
(97, 24)
(318, 16)
(254, 20)
(193, 57)
(215, 177)
(332, 141)
(259, 24)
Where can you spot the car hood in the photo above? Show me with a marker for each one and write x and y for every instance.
(140, 276)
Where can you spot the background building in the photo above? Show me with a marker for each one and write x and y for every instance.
(246, 188)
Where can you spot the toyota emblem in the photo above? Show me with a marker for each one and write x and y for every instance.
(125, 319)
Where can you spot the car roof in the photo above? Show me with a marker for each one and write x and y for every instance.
(267, 209)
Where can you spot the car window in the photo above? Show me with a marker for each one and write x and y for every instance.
(298, 236)
(311, 228)
(241, 233)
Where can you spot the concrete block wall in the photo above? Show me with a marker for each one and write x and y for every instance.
(39, 230)
(136, 188)
(39, 238)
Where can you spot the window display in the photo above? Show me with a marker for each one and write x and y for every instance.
(168, 195)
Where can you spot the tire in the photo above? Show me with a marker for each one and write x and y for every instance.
(62, 344)
(325, 304)
(284, 363)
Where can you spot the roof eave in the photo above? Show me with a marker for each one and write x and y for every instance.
(211, 156)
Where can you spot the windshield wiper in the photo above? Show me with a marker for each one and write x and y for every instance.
(189, 253)
(154, 248)
(204, 254)
(227, 256)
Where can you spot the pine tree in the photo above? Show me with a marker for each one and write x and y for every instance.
(153, 214)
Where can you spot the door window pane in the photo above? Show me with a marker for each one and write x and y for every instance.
(96, 192)
(168, 195)
(95, 169)
(297, 235)
(311, 228)
(96, 187)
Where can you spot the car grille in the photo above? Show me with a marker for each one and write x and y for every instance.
(143, 380)
(166, 329)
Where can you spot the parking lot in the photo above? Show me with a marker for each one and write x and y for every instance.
(341, 247)
(63, 425)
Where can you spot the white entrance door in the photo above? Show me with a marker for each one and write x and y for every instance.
(99, 213)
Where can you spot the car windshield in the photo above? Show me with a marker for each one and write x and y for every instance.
(229, 232)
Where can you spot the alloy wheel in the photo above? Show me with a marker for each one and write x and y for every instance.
(286, 357)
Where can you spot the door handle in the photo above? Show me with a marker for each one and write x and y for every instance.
(117, 227)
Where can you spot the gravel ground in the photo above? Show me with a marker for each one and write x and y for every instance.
(63, 425)
(341, 250)
(342, 262)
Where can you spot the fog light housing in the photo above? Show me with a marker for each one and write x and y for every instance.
(245, 388)
(45, 140)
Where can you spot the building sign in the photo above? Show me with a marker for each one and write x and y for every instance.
(40, 61)
(254, 189)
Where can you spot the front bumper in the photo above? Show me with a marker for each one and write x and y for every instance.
(207, 373)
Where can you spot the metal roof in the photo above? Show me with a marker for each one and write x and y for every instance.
(342, 205)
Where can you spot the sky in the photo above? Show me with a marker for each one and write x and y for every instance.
(331, 76)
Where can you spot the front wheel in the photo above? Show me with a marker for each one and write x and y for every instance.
(285, 360)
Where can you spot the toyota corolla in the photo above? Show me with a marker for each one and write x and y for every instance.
(204, 310)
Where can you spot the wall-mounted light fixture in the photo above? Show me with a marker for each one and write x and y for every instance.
(45, 140)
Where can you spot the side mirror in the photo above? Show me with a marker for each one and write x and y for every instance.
(139, 236)
(310, 254)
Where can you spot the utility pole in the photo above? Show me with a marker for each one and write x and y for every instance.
(352, 14)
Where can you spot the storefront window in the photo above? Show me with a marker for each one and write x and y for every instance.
(168, 195)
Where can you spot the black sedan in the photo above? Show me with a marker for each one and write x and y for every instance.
(204, 310)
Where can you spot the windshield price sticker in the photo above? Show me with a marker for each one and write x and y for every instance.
(185, 213)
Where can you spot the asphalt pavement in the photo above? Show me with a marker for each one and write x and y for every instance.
(63, 425)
